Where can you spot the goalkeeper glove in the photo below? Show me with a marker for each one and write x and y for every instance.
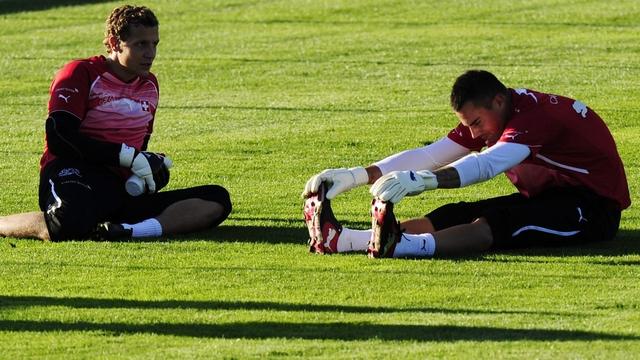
(398, 184)
(152, 168)
(339, 181)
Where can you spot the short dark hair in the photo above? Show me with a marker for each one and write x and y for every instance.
(122, 18)
(477, 86)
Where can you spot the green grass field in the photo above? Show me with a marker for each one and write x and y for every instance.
(258, 96)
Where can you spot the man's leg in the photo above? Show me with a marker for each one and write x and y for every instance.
(455, 240)
(171, 212)
(464, 231)
(558, 217)
(450, 230)
(74, 197)
(418, 226)
(29, 225)
(190, 215)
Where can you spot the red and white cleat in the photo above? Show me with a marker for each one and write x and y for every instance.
(324, 229)
(385, 232)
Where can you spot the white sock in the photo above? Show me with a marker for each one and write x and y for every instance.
(353, 240)
(147, 228)
(415, 245)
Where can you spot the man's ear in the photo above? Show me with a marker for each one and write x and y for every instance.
(499, 101)
(114, 44)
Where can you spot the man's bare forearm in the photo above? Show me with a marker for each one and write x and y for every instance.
(448, 178)
(374, 173)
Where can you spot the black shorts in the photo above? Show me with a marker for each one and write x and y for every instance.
(558, 216)
(76, 196)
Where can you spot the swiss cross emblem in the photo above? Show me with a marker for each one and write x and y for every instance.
(145, 106)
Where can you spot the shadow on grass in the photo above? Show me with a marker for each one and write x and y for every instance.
(253, 234)
(308, 109)
(15, 6)
(317, 331)
(627, 242)
(295, 234)
(95, 303)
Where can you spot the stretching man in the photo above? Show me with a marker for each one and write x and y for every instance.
(556, 151)
(101, 116)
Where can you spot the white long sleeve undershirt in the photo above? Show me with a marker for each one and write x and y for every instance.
(430, 157)
(482, 166)
(472, 167)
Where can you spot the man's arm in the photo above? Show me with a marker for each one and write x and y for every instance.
(430, 157)
(448, 178)
(473, 168)
(65, 140)
(478, 167)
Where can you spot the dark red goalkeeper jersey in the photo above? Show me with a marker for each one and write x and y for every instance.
(110, 110)
(570, 146)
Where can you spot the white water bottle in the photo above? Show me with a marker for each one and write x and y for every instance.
(134, 185)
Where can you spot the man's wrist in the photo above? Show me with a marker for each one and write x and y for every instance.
(373, 173)
(429, 179)
(360, 175)
(448, 178)
(127, 153)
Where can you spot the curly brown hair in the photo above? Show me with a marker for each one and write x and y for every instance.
(122, 18)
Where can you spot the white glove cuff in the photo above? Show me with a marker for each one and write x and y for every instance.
(167, 162)
(360, 175)
(126, 155)
(430, 180)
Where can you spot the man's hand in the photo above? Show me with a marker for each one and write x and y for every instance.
(339, 181)
(152, 168)
(398, 184)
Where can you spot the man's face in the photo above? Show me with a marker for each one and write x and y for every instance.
(135, 55)
(484, 123)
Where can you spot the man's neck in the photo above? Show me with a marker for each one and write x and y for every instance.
(118, 70)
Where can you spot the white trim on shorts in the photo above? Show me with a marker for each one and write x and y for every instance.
(544, 230)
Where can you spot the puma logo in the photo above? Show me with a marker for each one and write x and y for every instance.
(580, 108)
(581, 218)
(65, 98)
(514, 134)
(525, 92)
(330, 235)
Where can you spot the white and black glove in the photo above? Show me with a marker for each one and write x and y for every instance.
(339, 181)
(398, 184)
(152, 168)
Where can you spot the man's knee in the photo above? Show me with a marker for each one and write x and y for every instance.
(483, 231)
(217, 194)
(418, 226)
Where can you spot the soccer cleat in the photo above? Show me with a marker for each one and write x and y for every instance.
(324, 228)
(386, 232)
(107, 231)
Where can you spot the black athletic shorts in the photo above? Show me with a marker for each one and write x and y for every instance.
(558, 216)
(76, 196)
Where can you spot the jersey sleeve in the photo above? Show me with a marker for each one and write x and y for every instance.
(69, 90)
(538, 119)
(462, 136)
(533, 132)
(478, 167)
(147, 138)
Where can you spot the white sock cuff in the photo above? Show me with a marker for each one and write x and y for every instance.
(415, 245)
(353, 240)
(147, 228)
